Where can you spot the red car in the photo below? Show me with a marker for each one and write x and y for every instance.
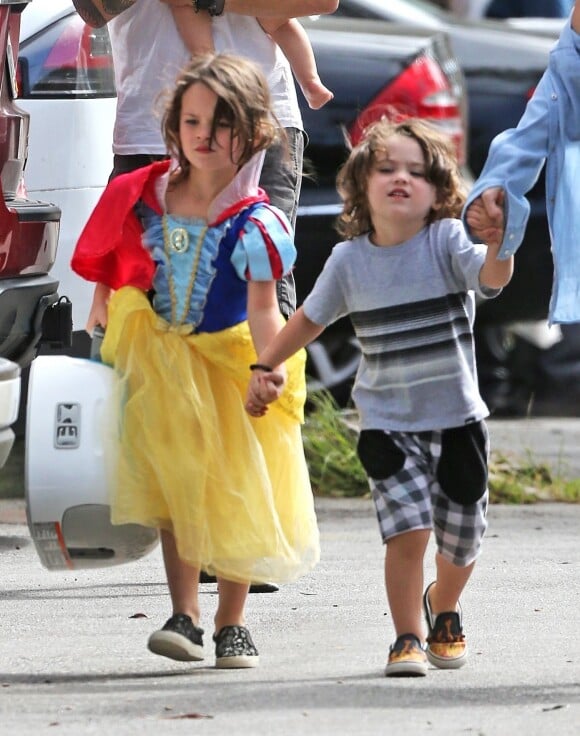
(29, 302)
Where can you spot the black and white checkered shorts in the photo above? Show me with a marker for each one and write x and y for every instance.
(431, 480)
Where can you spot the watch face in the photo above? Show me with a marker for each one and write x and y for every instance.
(213, 7)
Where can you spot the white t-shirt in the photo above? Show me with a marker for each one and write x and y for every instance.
(149, 54)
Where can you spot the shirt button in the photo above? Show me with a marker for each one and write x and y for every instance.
(554, 96)
(511, 237)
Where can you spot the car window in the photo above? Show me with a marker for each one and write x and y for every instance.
(417, 12)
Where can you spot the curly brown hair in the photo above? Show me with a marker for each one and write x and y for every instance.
(441, 170)
(243, 101)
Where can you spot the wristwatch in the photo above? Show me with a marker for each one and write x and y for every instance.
(213, 7)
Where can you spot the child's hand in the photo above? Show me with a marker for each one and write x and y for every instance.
(263, 389)
(99, 308)
(271, 386)
(485, 217)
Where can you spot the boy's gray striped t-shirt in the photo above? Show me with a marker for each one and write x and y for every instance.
(412, 308)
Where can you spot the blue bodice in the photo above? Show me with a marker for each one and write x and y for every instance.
(202, 273)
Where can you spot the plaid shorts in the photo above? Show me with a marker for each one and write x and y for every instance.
(431, 480)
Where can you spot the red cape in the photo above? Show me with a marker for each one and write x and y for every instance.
(109, 249)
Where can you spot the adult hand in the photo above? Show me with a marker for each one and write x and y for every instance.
(576, 17)
(485, 216)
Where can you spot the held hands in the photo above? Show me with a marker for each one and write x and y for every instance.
(485, 217)
(263, 389)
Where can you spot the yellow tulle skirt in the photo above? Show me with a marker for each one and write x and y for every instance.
(233, 490)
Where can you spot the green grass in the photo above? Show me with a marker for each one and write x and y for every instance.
(528, 482)
(330, 449)
(335, 470)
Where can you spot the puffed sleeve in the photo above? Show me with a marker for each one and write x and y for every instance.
(265, 250)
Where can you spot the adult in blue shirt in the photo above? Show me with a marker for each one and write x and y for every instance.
(547, 134)
(528, 9)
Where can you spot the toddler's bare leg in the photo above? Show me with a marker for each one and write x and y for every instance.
(182, 579)
(404, 580)
(232, 602)
(451, 579)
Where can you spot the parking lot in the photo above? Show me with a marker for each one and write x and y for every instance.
(74, 658)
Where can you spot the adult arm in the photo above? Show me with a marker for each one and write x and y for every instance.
(517, 155)
(514, 163)
(97, 13)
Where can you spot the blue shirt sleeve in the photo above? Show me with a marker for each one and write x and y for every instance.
(515, 160)
(517, 155)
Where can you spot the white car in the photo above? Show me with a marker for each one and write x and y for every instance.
(67, 86)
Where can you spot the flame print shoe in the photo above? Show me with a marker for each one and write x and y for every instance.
(234, 648)
(446, 645)
(179, 639)
(406, 658)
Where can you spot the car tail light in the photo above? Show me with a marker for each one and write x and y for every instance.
(67, 60)
(421, 91)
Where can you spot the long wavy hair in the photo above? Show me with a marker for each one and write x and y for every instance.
(243, 102)
(441, 170)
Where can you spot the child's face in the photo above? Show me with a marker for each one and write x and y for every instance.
(195, 129)
(397, 190)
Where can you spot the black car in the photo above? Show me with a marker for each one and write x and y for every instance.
(28, 239)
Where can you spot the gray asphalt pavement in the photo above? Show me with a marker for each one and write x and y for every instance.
(73, 658)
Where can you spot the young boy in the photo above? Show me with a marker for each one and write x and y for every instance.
(406, 276)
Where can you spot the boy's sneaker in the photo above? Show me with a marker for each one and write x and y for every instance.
(446, 645)
(179, 639)
(234, 648)
(406, 658)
